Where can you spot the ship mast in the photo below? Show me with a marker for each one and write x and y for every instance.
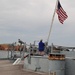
(52, 22)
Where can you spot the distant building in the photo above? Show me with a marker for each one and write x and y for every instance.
(4, 46)
(9, 47)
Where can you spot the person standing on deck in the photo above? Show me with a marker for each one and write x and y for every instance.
(41, 47)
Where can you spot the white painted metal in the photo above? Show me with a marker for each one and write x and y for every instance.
(70, 66)
(38, 63)
(43, 64)
(57, 67)
(18, 60)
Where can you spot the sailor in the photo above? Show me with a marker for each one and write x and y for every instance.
(41, 47)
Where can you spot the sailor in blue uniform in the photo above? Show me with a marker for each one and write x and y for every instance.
(41, 47)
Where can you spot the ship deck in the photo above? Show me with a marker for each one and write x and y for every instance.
(6, 68)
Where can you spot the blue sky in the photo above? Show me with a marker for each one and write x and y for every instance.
(30, 20)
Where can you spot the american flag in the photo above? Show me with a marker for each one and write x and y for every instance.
(61, 13)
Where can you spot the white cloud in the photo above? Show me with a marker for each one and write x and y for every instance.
(30, 20)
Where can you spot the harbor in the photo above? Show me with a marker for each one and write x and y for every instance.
(33, 41)
(60, 60)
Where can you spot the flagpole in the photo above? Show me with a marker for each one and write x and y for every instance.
(52, 21)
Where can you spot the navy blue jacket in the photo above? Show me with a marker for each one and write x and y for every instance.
(41, 46)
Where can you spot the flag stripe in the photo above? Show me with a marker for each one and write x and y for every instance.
(61, 13)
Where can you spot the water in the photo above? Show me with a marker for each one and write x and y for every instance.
(8, 54)
(3, 54)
